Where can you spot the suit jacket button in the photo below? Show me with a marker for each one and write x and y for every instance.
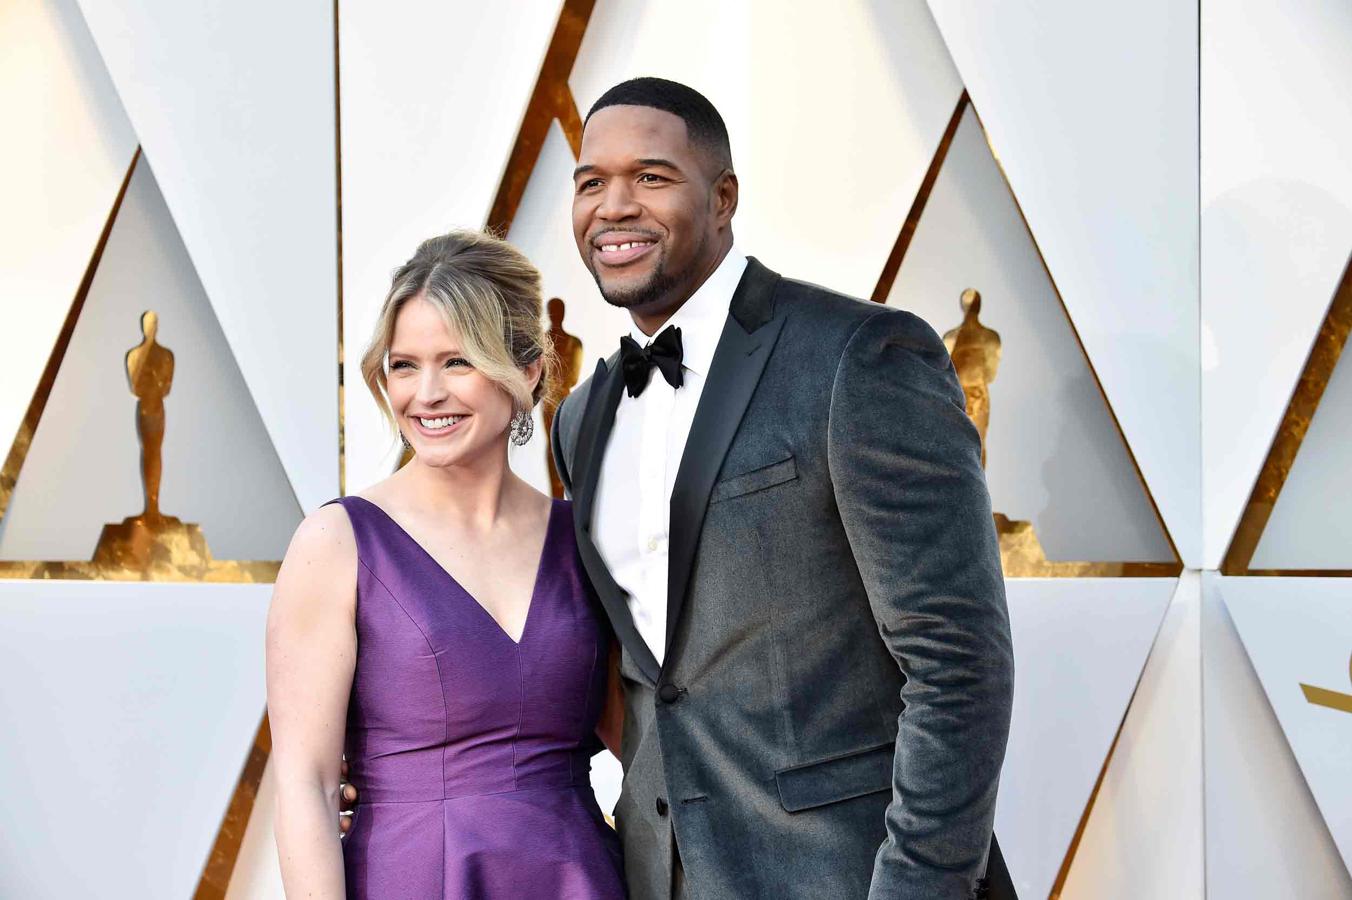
(668, 693)
(661, 806)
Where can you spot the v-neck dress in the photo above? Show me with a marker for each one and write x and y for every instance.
(472, 751)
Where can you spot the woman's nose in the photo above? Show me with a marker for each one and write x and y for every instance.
(432, 387)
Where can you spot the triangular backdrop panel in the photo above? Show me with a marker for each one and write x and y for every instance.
(1079, 647)
(1309, 527)
(1276, 225)
(1265, 835)
(829, 156)
(146, 698)
(1298, 634)
(432, 97)
(66, 152)
(234, 107)
(83, 469)
(1054, 454)
(1128, 850)
(1099, 141)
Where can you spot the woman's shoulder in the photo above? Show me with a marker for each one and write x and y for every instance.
(324, 541)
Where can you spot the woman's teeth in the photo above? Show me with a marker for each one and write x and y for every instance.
(444, 422)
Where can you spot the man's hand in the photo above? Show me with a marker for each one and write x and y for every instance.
(347, 799)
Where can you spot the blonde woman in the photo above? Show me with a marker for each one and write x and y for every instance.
(439, 627)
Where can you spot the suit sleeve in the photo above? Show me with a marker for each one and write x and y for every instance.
(905, 464)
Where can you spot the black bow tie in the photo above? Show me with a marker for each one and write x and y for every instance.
(664, 351)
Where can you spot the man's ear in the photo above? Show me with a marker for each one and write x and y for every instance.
(725, 196)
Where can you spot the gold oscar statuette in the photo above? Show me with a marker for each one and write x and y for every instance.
(975, 350)
(568, 352)
(151, 542)
(976, 357)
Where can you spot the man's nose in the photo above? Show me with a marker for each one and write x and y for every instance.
(618, 202)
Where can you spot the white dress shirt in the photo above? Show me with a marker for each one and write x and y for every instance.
(632, 510)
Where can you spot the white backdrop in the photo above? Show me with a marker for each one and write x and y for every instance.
(835, 115)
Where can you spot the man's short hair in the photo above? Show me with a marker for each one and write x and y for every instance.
(703, 124)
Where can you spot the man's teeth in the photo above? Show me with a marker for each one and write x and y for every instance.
(612, 248)
(443, 422)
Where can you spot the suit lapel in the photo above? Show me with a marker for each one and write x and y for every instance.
(594, 434)
(748, 337)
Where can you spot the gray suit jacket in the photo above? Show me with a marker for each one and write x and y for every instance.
(831, 716)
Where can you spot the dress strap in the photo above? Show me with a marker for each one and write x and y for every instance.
(365, 525)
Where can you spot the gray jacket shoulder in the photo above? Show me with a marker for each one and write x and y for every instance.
(835, 322)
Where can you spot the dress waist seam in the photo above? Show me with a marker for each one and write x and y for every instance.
(579, 785)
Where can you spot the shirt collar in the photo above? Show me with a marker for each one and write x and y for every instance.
(701, 318)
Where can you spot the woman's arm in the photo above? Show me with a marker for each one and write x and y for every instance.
(610, 726)
(311, 653)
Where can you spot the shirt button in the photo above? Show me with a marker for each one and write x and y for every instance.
(652, 544)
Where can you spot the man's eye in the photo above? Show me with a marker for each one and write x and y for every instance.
(588, 184)
(650, 178)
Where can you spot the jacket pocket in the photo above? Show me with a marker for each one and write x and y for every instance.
(839, 778)
(755, 480)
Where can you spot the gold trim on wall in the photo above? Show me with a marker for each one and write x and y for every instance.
(551, 99)
(912, 220)
(220, 865)
(216, 571)
(1314, 379)
(1069, 859)
(23, 439)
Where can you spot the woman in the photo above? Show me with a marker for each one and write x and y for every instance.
(439, 628)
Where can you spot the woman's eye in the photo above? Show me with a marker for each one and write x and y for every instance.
(456, 362)
(400, 364)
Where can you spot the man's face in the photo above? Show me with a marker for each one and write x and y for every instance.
(647, 209)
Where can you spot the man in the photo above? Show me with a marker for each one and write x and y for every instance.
(789, 528)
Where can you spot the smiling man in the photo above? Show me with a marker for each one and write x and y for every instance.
(789, 528)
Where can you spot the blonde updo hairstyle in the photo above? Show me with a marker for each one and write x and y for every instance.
(489, 294)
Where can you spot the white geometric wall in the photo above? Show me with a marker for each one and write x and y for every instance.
(1161, 185)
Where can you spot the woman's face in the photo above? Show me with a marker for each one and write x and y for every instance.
(450, 412)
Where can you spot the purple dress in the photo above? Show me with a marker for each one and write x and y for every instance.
(472, 751)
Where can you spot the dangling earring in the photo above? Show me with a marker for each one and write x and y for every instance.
(523, 426)
(403, 439)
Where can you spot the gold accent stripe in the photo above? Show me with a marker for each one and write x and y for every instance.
(1314, 379)
(570, 120)
(220, 864)
(1059, 884)
(216, 571)
(18, 451)
(893, 264)
(1176, 566)
(549, 100)
(1324, 697)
